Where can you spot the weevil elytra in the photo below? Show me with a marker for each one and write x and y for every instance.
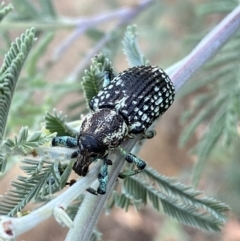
(127, 106)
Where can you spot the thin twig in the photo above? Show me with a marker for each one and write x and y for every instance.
(92, 206)
(11, 227)
(85, 62)
(124, 15)
(207, 48)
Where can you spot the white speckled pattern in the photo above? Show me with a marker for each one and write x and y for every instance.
(140, 95)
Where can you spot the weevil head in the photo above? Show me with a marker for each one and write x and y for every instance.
(100, 132)
(89, 149)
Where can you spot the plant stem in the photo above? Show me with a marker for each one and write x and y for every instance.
(127, 17)
(82, 24)
(85, 221)
(207, 48)
(11, 227)
(89, 212)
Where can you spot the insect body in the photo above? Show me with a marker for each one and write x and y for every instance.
(127, 106)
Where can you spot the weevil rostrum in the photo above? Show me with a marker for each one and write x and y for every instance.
(126, 106)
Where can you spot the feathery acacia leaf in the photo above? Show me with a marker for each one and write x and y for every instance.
(56, 123)
(96, 236)
(44, 179)
(10, 71)
(94, 76)
(205, 147)
(3, 162)
(179, 202)
(186, 193)
(220, 111)
(203, 114)
(123, 201)
(4, 10)
(131, 49)
(26, 144)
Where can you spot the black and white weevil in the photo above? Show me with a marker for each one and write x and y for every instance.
(126, 106)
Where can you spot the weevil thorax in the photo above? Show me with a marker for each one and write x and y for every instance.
(101, 131)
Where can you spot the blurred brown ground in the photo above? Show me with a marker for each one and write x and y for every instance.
(162, 152)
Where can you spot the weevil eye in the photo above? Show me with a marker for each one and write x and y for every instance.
(90, 146)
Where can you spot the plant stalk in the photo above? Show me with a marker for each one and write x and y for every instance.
(89, 212)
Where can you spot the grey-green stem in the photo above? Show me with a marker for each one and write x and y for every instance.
(88, 214)
(92, 206)
(207, 48)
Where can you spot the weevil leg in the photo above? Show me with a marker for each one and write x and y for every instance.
(108, 77)
(65, 141)
(102, 178)
(71, 182)
(148, 134)
(92, 191)
(75, 154)
(123, 175)
(131, 136)
(129, 157)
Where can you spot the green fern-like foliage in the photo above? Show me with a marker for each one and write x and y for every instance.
(96, 236)
(176, 199)
(123, 200)
(23, 143)
(44, 178)
(218, 105)
(4, 10)
(29, 11)
(131, 49)
(73, 208)
(94, 76)
(56, 122)
(10, 71)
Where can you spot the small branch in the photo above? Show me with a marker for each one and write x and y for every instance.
(125, 15)
(89, 212)
(70, 23)
(85, 62)
(12, 227)
(206, 49)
